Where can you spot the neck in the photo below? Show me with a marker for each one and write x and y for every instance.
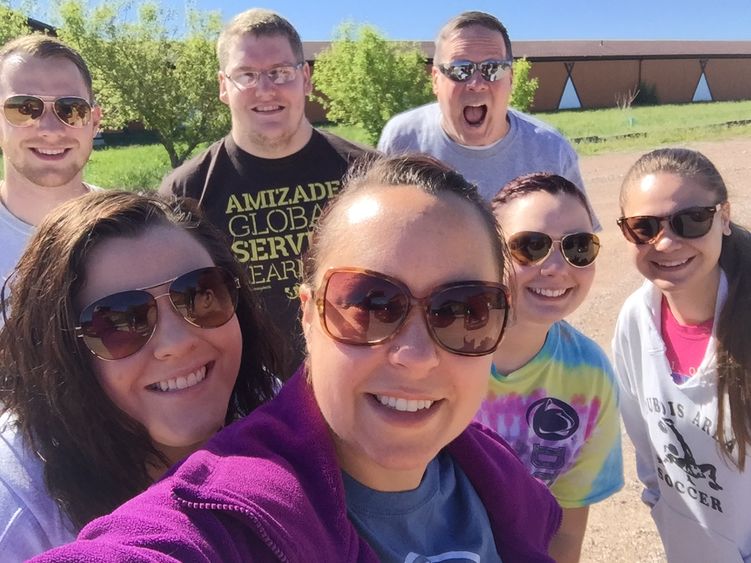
(31, 202)
(173, 455)
(697, 304)
(521, 342)
(272, 150)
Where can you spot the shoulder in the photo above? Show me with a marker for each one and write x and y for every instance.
(640, 305)
(184, 179)
(408, 126)
(530, 126)
(30, 520)
(348, 150)
(575, 343)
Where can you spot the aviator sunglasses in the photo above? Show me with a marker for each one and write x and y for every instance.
(530, 247)
(365, 308)
(119, 325)
(692, 222)
(461, 71)
(24, 109)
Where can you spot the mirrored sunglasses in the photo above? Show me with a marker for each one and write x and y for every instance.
(461, 71)
(23, 110)
(278, 75)
(119, 325)
(692, 222)
(531, 247)
(365, 308)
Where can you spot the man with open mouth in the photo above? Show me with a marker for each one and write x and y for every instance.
(471, 126)
(46, 134)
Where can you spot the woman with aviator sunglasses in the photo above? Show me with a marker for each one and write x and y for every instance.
(552, 392)
(683, 355)
(131, 337)
(367, 454)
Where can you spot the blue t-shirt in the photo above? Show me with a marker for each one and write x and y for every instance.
(442, 519)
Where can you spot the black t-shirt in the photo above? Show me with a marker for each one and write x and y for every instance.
(267, 207)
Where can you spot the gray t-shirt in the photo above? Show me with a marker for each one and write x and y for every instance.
(530, 145)
(443, 519)
(14, 235)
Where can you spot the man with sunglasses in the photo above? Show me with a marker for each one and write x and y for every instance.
(266, 182)
(46, 135)
(471, 126)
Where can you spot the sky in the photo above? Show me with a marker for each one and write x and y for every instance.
(525, 20)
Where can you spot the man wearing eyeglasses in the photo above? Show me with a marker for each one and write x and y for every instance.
(46, 135)
(471, 126)
(266, 182)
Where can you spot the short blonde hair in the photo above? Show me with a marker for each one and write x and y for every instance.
(261, 23)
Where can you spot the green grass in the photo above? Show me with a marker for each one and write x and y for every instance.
(349, 132)
(608, 130)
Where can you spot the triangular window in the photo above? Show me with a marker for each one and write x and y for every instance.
(702, 93)
(569, 98)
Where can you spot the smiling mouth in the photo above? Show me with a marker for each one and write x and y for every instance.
(268, 109)
(673, 264)
(49, 152)
(180, 383)
(475, 115)
(549, 293)
(404, 405)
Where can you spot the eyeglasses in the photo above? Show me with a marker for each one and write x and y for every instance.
(530, 247)
(461, 71)
(365, 308)
(24, 109)
(119, 325)
(278, 75)
(692, 222)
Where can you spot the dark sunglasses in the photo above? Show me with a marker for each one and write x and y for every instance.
(365, 308)
(530, 247)
(24, 109)
(461, 71)
(692, 222)
(119, 325)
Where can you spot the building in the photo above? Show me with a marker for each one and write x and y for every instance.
(600, 74)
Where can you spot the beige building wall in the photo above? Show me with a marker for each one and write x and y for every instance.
(675, 79)
(729, 79)
(553, 76)
(600, 82)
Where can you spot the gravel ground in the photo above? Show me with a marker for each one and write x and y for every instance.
(620, 528)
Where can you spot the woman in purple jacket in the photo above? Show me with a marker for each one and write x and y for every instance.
(368, 453)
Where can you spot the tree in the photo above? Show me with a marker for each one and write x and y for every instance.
(524, 87)
(142, 72)
(364, 80)
(12, 23)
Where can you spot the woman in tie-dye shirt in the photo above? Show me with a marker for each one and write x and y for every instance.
(552, 393)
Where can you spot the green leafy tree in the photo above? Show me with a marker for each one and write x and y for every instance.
(143, 72)
(12, 23)
(524, 87)
(364, 80)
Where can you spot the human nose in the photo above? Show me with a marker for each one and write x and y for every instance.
(666, 238)
(555, 262)
(49, 121)
(413, 347)
(173, 335)
(476, 81)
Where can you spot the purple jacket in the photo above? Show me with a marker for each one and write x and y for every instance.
(269, 488)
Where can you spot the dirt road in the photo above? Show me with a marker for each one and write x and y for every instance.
(620, 529)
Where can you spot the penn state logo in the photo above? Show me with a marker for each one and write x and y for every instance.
(552, 419)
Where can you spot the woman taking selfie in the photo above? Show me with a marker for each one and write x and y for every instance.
(131, 337)
(368, 453)
(683, 355)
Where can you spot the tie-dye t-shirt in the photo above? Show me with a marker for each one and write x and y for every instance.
(560, 413)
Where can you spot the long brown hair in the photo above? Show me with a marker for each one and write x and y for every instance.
(734, 345)
(96, 456)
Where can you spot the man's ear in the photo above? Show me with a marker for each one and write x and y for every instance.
(434, 76)
(725, 217)
(96, 119)
(223, 95)
(307, 82)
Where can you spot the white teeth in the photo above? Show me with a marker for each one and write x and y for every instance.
(182, 382)
(51, 152)
(267, 108)
(404, 405)
(672, 264)
(548, 292)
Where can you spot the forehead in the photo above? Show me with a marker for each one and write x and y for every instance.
(419, 238)
(664, 192)
(259, 51)
(475, 43)
(554, 214)
(53, 76)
